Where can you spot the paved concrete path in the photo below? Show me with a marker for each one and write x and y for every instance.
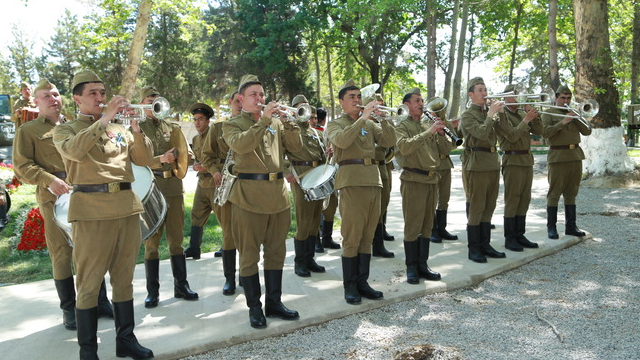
(30, 320)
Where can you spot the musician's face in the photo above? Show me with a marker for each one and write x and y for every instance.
(415, 104)
(478, 94)
(92, 96)
(563, 99)
(235, 105)
(26, 92)
(201, 122)
(313, 120)
(351, 101)
(49, 103)
(252, 96)
(149, 100)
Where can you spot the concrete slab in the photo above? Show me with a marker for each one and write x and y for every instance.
(30, 320)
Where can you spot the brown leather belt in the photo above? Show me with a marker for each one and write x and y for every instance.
(269, 176)
(517, 152)
(359, 162)
(163, 174)
(305, 163)
(59, 174)
(442, 157)
(109, 188)
(422, 172)
(480, 148)
(564, 147)
(207, 175)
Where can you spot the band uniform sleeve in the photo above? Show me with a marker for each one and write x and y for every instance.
(407, 144)
(479, 130)
(385, 134)
(550, 126)
(210, 152)
(141, 149)
(243, 142)
(74, 146)
(536, 126)
(25, 167)
(510, 132)
(291, 138)
(344, 137)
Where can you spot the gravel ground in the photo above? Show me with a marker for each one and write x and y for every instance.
(585, 292)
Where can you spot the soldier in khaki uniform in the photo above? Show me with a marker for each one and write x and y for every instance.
(159, 131)
(260, 211)
(418, 155)
(325, 239)
(483, 165)
(36, 161)
(25, 101)
(517, 169)
(203, 198)
(358, 179)
(565, 163)
(103, 210)
(308, 213)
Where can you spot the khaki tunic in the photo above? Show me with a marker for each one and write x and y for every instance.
(308, 213)
(483, 166)
(105, 226)
(360, 185)
(35, 160)
(565, 165)
(159, 131)
(205, 190)
(19, 104)
(444, 170)
(260, 212)
(517, 169)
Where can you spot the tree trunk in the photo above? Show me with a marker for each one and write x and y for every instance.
(127, 87)
(332, 95)
(604, 149)
(553, 45)
(431, 48)
(457, 79)
(452, 49)
(317, 63)
(514, 48)
(635, 52)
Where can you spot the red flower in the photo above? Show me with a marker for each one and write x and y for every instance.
(33, 232)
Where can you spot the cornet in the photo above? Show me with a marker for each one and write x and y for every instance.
(300, 114)
(160, 108)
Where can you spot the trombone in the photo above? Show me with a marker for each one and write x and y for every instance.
(300, 114)
(160, 108)
(585, 110)
(436, 106)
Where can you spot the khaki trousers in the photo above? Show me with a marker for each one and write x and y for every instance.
(330, 212)
(308, 213)
(444, 189)
(174, 224)
(564, 179)
(517, 189)
(223, 213)
(386, 190)
(360, 211)
(483, 190)
(418, 208)
(202, 206)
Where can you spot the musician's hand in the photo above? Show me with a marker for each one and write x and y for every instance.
(58, 187)
(168, 157)
(531, 114)
(368, 109)
(329, 151)
(495, 107)
(455, 123)
(217, 178)
(135, 126)
(270, 109)
(115, 105)
(290, 178)
(437, 127)
(198, 167)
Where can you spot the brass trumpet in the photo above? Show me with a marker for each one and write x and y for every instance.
(300, 114)
(437, 106)
(160, 108)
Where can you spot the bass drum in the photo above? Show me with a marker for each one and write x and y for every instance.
(153, 202)
(317, 184)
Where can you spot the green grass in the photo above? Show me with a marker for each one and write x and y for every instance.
(633, 153)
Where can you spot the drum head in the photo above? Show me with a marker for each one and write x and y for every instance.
(317, 176)
(143, 181)
(61, 212)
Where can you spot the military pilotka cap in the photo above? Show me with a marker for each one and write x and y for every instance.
(203, 108)
(349, 83)
(248, 79)
(510, 89)
(475, 81)
(85, 76)
(314, 110)
(299, 99)
(44, 84)
(148, 91)
(563, 89)
(415, 90)
(24, 84)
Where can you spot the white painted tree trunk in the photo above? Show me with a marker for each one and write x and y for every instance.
(605, 153)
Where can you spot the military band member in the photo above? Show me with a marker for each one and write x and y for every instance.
(103, 210)
(483, 166)
(25, 101)
(325, 238)
(203, 198)
(308, 213)
(214, 156)
(358, 179)
(36, 161)
(418, 155)
(565, 163)
(260, 211)
(319, 122)
(159, 131)
(514, 136)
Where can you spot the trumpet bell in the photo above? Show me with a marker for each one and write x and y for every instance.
(160, 108)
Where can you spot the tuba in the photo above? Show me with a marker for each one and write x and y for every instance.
(223, 191)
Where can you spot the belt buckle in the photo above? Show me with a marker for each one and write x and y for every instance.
(572, 146)
(367, 161)
(166, 174)
(273, 176)
(314, 163)
(113, 187)
(493, 148)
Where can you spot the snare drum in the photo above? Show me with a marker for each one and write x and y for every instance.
(155, 206)
(317, 184)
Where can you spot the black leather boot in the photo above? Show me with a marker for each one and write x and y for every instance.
(327, 236)
(218, 253)
(378, 249)
(435, 235)
(181, 287)
(105, 310)
(251, 286)
(521, 224)
(485, 240)
(473, 243)
(319, 248)
(570, 222)
(466, 209)
(151, 270)
(441, 219)
(126, 342)
(193, 251)
(273, 306)
(350, 280)
(385, 235)
(423, 255)
(67, 296)
(229, 271)
(510, 239)
(552, 219)
(300, 259)
(311, 263)
(87, 323)
(411, 249)
(364, 262)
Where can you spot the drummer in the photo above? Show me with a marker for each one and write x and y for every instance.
(36, 161)
(308, 213)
